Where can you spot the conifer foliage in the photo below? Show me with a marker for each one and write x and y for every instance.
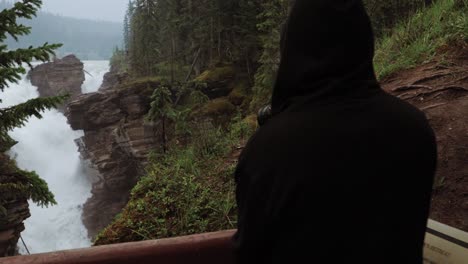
(13, 65)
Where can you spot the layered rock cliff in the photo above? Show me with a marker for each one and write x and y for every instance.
(117, 141)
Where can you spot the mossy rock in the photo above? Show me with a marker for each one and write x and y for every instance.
(217, 74)
(239, 93)
(144, 81)
(218, 107)
(251, 121)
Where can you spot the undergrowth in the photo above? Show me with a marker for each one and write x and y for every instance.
(187, 191)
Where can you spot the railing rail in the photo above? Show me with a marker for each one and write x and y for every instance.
(444, 244)
(196, 249)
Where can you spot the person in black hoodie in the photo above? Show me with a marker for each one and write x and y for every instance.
(342, 172)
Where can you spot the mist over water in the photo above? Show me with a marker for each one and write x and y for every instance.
(47, 146)
(94, 74)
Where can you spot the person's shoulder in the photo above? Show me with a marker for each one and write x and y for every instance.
(404, 111)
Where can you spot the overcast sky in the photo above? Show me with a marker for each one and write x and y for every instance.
(108, 10)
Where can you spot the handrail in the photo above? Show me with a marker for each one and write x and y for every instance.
(444, 244)
(197, 249)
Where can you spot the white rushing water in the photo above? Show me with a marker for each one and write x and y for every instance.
(47, 146)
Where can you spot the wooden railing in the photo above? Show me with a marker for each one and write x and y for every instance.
(444, 244)
(211, 248)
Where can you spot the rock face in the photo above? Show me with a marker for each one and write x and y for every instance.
(117, 142)
(112, 79)
(15, 209)
(59, 77)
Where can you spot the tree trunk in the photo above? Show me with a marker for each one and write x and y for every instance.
(172, 57)
(219, 38)
(164, 139)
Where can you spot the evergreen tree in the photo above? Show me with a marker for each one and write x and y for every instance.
(161, 109)
(271, 19)
(386, 14)
(12, 67)
(144, 40)
(127, 28)
(171, 37)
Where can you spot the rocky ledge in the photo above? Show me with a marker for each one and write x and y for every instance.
(117, 140)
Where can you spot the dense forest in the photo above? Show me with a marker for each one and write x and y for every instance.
(87, 39)
(173, 39)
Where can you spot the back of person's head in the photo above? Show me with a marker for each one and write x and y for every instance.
(324, 42)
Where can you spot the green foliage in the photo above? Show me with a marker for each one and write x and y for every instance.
(17, 184)
(216, 74)
(161, 109)
(11, 60)
(386, 14)
(208, 140)
(417, 39)
(161, 103)
(11, 69)
(173, 38)
(37, 190)
(270, 25)
(118, 63)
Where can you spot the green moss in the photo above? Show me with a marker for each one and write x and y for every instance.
(418, 39)
(218, 107)
(217, 74)
(16, 184)
(251, 121)
(144, 81)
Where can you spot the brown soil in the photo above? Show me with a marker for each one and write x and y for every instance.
(440, 89)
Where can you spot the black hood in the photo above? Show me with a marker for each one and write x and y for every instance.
(327, 48)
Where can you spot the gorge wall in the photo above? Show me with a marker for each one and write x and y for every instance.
(117, 141)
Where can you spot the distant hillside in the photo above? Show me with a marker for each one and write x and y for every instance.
(87, 39)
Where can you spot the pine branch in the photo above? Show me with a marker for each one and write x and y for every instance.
(11, 62)
(8, 18)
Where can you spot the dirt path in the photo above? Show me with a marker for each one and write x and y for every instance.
(440, 89)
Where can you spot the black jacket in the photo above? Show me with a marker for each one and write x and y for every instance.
(342, 172)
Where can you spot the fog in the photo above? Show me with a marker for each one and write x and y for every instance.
(108, 10)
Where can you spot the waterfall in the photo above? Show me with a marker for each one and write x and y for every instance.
(47, 146)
